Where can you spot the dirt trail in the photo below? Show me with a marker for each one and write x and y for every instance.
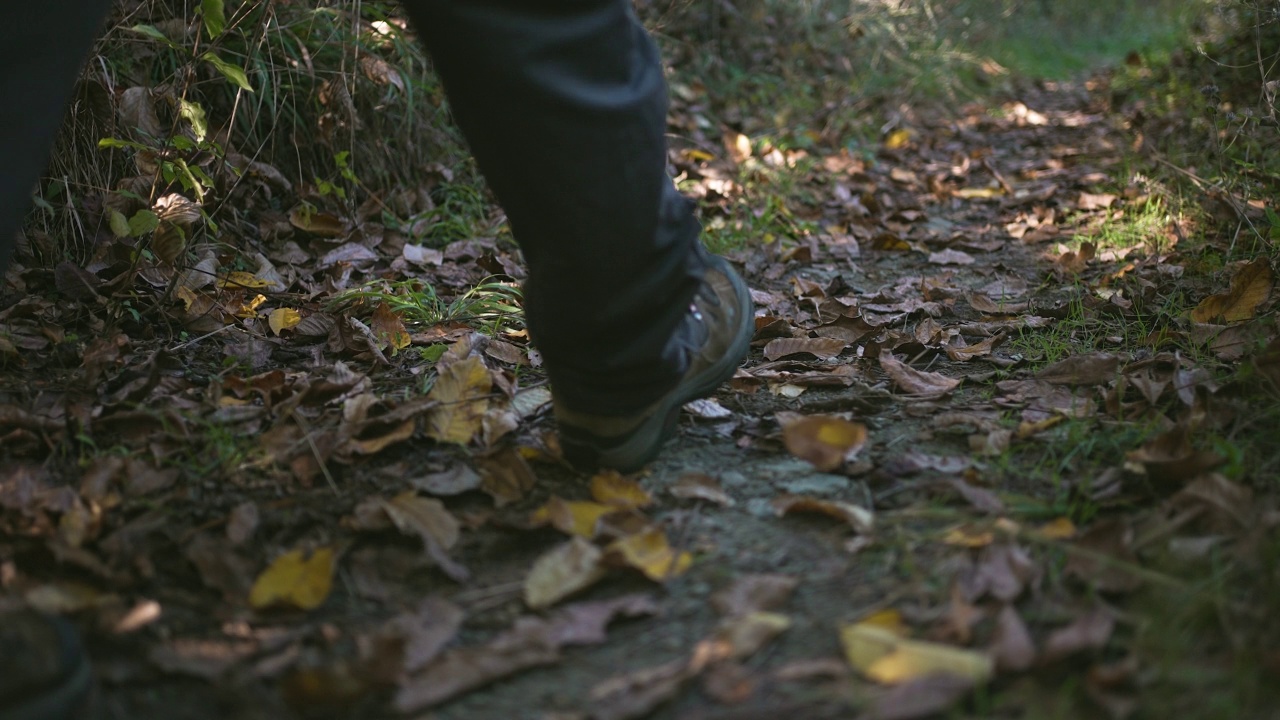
(936, 263)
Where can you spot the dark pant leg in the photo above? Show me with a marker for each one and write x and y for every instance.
(43, 45)
(564, 105)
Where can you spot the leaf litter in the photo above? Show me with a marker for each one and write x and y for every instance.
(332, 437)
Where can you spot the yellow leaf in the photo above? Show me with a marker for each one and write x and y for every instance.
(561, 572)
(249, 308)
(461, 391)
(1249, 288)
(825, 441)
(898, 139)
(883, 656)
(610, 488)
(241, 279)
(283, 319)
(889, 619)
(317, 223)
(696, 155)
(971, 537)
(981, 192)
(1059, 529)
(573, 518)
(649, 553)
(187, 296)
(294, 580)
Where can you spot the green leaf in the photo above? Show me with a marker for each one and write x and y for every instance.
(232, 73)
(194, 114)
(119, 225)
(215, 18)
(183, 143)
(142, 222)
(118, 143)
(154, 33)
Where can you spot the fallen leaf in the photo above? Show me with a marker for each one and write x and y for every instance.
(951, 257)
(459, 478)
(321, 224)
(1090, 631)
(697, 486)
(1250, 287)
(242, 522)
(573, 517)
(753, 593)
(649, 553)
(283, 319)
(506, 477)
(425, 517)
(563, 571)
(1089, 369)
(916, 382)
(636, 694)
(612, 489)
(389, 328)
(295, 579)
(746, 634)
(885, 657)
(424, 633)
(981, 498)
(923, 697)
(585, 623)
(826, 442)
(461, 391)
(821, 347)
(858, 518)
(1106, 558)
(1170, 457)
(1011, 643)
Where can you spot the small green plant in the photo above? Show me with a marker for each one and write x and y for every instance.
(493, 306)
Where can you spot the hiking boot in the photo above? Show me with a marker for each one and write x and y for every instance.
(716, 332)
(44, 672)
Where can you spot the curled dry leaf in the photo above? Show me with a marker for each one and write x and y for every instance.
(1088, 369)
(1090, 631)
(916, 382)
(752, 593)
(858, 518)
(295, 579)
(461, 390)
(1170, 457)
(827, 442)
(885, 657)
(283, 319)
(388, 328)
(821, 347)
(563, 571)
(1250, 287)
(697, 486)
(966, 353)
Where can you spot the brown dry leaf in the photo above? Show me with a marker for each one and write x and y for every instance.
(1074, 263)
(729, 683)
(746, 634)
(753, 593)
(821, 347)
(461, 391)
(610, 488)
(827, 442)
(1090, 631)
(423, 634)
(650, 553)
(1170, 458)
(563, 571)
(1011, 644)
(506, 477)
(585, 623)
(428, 519)
(527, 644)
(389, 328)
(966, 353)
(1230, 505)
(970, 536)
(1106, 560)
(981, 498)
(1250, 287)
(636, 694)
(951, 257)
(884, 657)
(924, 697)
(321, 224)
(858, 518)
(573, 517)
(459, 478)
(697, 486)
(1089, 369)
(295, 580)
(916, 382)
(242, 522)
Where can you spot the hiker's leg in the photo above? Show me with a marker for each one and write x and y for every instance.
(43, 45)
(564, 106)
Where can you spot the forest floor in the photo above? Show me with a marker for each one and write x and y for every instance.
(1003, 447)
